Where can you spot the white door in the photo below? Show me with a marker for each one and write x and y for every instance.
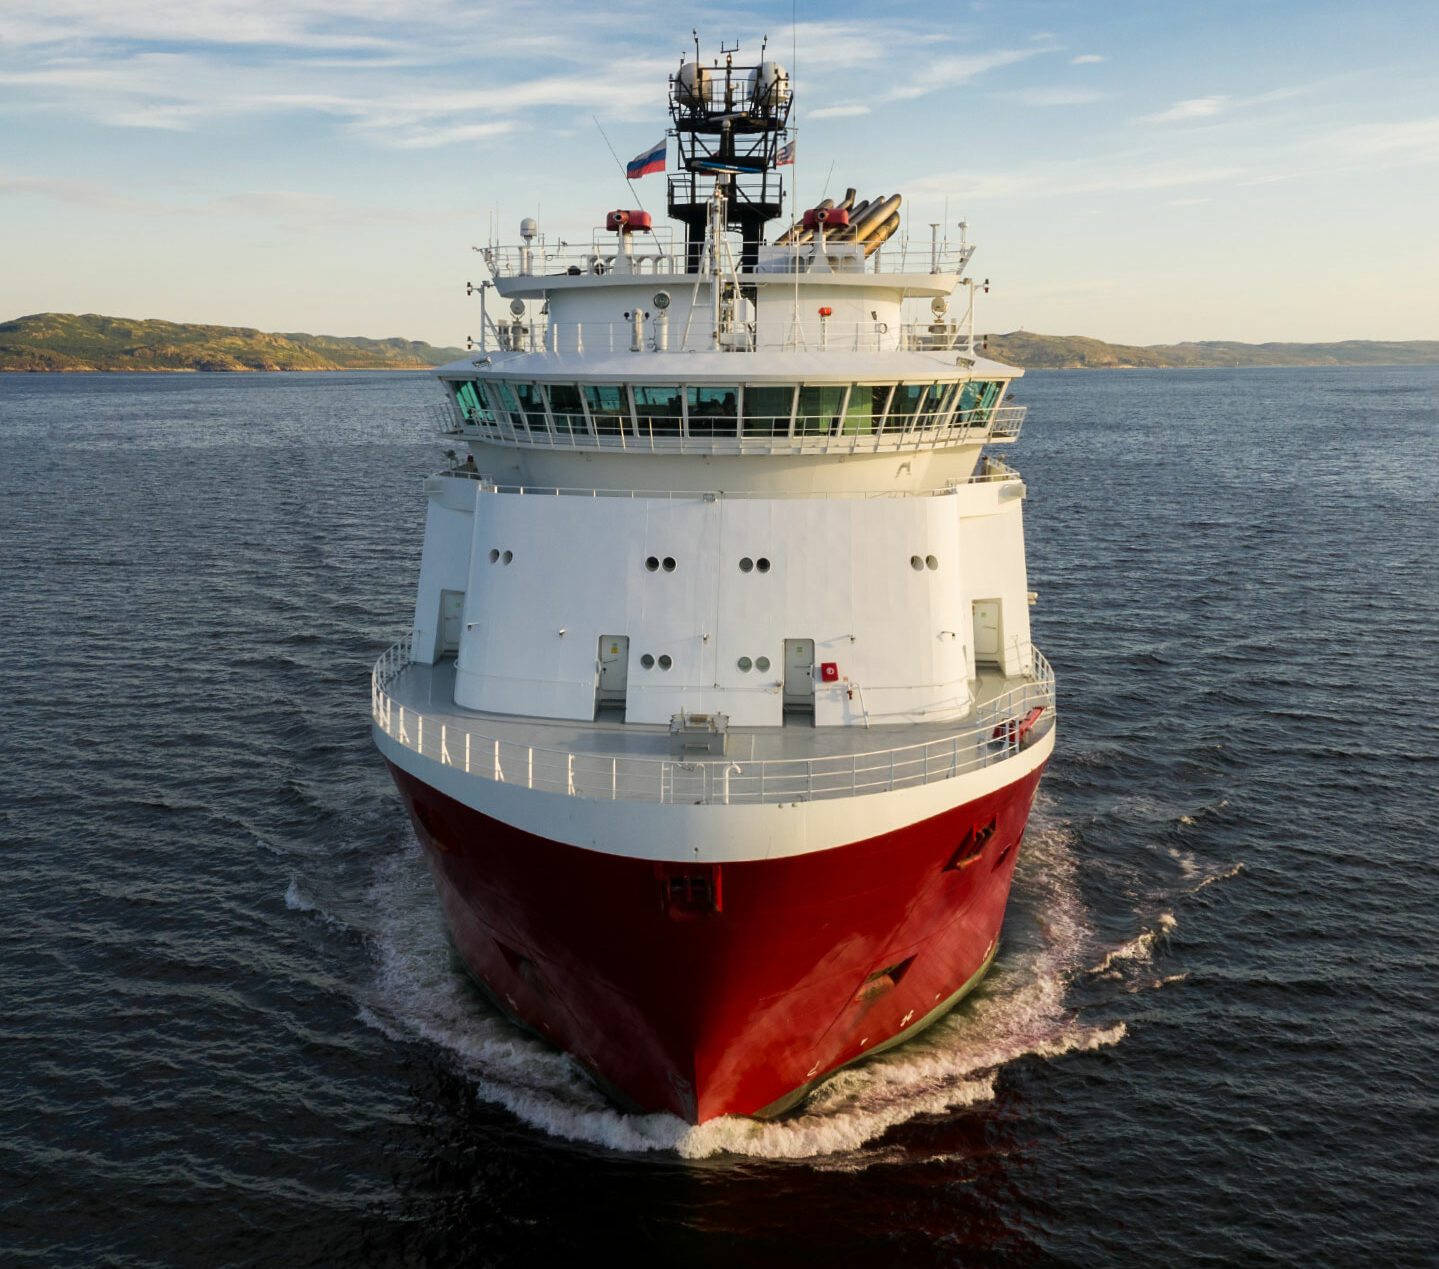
(452, 606)
(799, 673)
(614, 667)
(988, 635)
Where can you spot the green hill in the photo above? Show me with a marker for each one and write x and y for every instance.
(1077, 352)
(64, 341)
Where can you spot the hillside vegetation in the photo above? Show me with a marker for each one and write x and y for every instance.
(64, 341)
(1077, 352)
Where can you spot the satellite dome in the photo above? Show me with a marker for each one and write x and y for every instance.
(692, 84)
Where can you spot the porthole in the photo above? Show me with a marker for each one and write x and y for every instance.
(665, 661)
(494, 555)
(647, 661)
(746, 564)
(507, 557)
(652, 564)
(669, 564)
(916, 563)
(745, 664)
(930, 562)
(761, 664)
(762, 564)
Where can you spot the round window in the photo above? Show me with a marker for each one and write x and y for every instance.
(665, 661)
(916, 563)
(761, 664)
(507, 557)
(930, 562)
(494, 555)
(762, 564)
(745, 664)
(669, 564)
(746, 564)
(652, 564)
(647, 661)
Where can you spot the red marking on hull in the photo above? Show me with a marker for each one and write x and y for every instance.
(709, 990)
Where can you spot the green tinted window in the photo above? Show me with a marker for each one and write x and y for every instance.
(609, 408)
(658, 411)
(767, 411)
(819, 409)
(712, 411)
(976, 399)
(468, 400)
(532, 405)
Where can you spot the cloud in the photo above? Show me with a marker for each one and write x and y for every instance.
(836, 112)
(1087, 59)
(1182, 111)
(1054, 96)
(953, 71)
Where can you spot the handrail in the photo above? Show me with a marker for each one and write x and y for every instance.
(659, 252)
(1000, 730)
(578, 432)
(536, 334)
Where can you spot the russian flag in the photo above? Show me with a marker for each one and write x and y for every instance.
(785, 154)
(652, 160)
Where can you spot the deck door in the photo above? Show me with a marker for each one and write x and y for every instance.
(799, 675)
(614, 658)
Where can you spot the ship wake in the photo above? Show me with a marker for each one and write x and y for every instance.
(1019, 1011)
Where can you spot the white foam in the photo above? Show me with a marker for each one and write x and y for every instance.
(1139, 948)
(1019, 1010)
(1233, 871)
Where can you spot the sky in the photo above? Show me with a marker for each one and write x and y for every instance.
(1141, 171)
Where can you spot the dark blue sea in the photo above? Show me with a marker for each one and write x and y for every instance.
(234, 1033)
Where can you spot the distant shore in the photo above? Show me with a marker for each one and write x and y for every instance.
(51, 342)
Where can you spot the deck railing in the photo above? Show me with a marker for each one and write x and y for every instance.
(1000, 729)
(661, 253)
(532, 334)
(825, 434)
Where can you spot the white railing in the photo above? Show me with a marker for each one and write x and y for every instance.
(534, 334)
(661, 252)
(994, 471)
(1000, 730)
(803, 434)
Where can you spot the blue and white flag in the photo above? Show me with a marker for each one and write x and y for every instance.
(652, 160)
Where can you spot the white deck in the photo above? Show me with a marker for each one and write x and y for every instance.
(609, 759)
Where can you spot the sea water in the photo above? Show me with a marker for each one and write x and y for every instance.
(235, 1031)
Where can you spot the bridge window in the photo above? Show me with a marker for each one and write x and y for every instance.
(609, 408)
(712, 411)
(565, 407)
(821, 405)
(767, 411)
(469, 401)
(977, 399)
(658, 411)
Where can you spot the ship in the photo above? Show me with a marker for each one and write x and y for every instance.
(719, 723)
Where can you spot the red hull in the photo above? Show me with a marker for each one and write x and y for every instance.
(731, 988)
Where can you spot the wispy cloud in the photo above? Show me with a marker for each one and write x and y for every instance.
(956, 70)
(1053, 96)
(1183, 111)
(1087, 59)
(837, 112)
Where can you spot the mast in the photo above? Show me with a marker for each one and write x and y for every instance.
(729, 122)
